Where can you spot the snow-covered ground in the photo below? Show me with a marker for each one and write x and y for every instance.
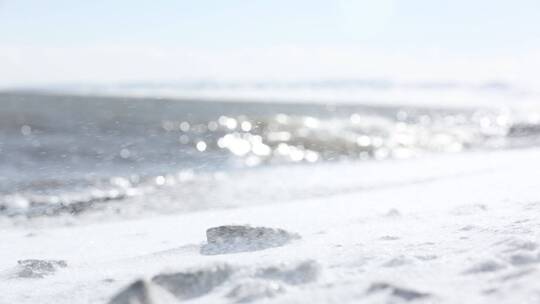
(452, 228)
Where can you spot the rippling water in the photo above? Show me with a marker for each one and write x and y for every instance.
(62, 154)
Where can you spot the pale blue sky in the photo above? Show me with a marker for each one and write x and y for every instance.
(112, 40)
(456, 24)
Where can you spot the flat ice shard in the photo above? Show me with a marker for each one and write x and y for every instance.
(38, 268)
(231, 239)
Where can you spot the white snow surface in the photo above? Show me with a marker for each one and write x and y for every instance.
(453, 228)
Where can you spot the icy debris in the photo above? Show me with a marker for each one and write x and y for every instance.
(270, 281)
(255, 290)
(194, 283)
(142, 292)
(295, 274)
(397, 292)
(231, 239)
(38, 268)
(248, 283)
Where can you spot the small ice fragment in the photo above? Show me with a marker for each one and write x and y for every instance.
(194, 283)
(231, 239)
(38, 268)
(295, 274)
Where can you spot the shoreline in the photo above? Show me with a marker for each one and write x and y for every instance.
(474, 233)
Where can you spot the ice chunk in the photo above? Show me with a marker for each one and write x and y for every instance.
(142, 292)
(194, 283)
(295, 274)
(231, 239)
(254, 290)
(38, 268)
